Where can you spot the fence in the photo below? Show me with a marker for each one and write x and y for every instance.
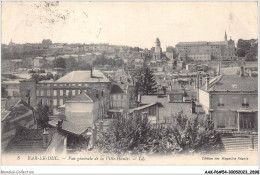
(240, 143)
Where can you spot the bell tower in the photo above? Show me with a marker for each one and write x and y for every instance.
(225, 36)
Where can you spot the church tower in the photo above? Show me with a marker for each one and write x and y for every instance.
(225, 36)
(158, 49)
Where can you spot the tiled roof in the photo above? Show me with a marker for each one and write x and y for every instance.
(28, 141)
(201, 43)
(69, 127)
(191, 43)
(177, 91)
(229, 70)
(168, 109)
(83, 76)
(232, 83)
(17, 109)
(86, 96)
(116, 89)
(83, 97)
(142, 107)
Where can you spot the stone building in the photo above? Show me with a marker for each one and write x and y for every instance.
(158, 50)
(231, 101)
(206, 51)
(55, 93)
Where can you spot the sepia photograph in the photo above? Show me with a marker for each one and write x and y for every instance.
(129, 83)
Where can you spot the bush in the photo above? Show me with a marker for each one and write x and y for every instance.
(31, 72)
(136, 135)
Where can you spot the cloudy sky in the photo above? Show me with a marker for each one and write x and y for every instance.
(127, 23)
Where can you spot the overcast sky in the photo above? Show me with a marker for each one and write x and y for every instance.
(128, 23)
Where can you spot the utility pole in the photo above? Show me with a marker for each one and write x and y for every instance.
(219, 62)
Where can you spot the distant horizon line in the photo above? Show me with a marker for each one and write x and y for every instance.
(82, 43)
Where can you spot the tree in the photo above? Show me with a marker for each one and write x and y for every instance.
(148, 83)
(71, 64)
(46, 42)
(41, 71)
(31, 71)
(252, 53)
(133, 134)
(247, 48)
(59, 63)
(41, 114)
(195, 134)
(37, 77)
(84, 66)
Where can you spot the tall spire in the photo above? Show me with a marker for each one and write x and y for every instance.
(225, 36)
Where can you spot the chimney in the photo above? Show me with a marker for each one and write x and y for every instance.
(219, 65)
(200, 81)
(45, 138)
(28, 96)
(59, 124)
(207, 82)
(193, 105)
(241, 71)
(91, 73)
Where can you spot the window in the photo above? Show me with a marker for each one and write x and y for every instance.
(67, 93)
(42, 92)
(54, 102)
(54, 92)
(48, 92)
(61, 92)
(123, 104)
(38, 92)
(232, 120)
(43, 102)
(55, 111)
(47, 102)
(61, 101)
(152, 110)
(245, 102)
(221, 121)
(220, 101)
(122, 96)
(73, 92)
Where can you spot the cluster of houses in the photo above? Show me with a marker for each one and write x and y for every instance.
(82, 102)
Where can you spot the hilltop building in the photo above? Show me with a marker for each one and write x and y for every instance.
(206, 51)
(158, 50)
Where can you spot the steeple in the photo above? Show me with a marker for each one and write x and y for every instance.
(225, 36)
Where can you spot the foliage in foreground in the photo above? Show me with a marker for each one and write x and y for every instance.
(137, 135)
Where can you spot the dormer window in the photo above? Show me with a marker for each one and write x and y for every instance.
(220, 101)
(245, 102)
